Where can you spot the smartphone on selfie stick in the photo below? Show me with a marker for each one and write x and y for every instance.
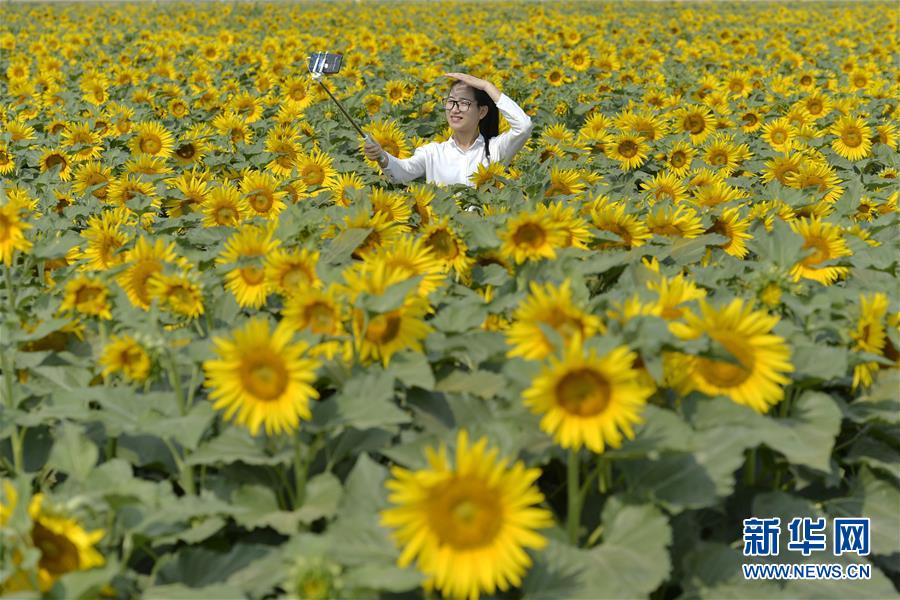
(328, 63)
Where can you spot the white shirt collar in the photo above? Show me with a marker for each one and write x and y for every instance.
(479, 141)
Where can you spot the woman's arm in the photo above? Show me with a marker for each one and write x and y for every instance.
(406, 169)
(396, 170)
(506, 144)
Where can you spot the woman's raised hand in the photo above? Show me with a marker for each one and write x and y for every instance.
(471, 80)
(478, 84)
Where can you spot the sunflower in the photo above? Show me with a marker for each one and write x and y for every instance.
(104, 239)
(679, 158)
(697, 121)
(645, 124)
(146, 164)
(383, 231)
(7, 160)
(51, 158)
(724, 155)
(578, 59)
(261, 378)
(177, 293)
(827, 244)
(380, 336)
(780, 167)
(193, 146)
(531, 236)
(144, 261)
(467, 525)
(234, 127)
(552, 307)
(194, 189)
(613, 218)
(629, 149)
(447, 246)
(734, 227)
(63, 543)
(491, 175)
(886, 133)
(716, 193)
(286, 153)
(738, 84)
(853, 135)
(779, 134)
(341, 184)
(127, 187)
(315, 169)
(422, 197)
(595, 127)
(224, 206)
(247, 106)
(817, 175)
(557, 77)
(12, 231)
(19, 130)
(292, 272)
(92, 174)
(588, 400)
(665, 185)
(153, 139)
(871, 337)
(757, 363)
(817, 105)
(557, 133)
(373, 103)
(392, 205)
(87, 296)
(751, 119)
(321, 313)
(672, 293)
(124, 354)
(398, 92)
(564, 182)
(83, 141)
(296, 92)
(677, 222)
(412, 257)
(389, 137)
(573, 226)
(260, 190)
(245, 252)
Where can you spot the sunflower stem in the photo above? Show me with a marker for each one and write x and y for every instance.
(17, 437)
(301, 467)
(10, 288)
(175, 382)
(573, 518)
(750, 469)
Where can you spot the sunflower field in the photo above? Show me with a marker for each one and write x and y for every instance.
(238, 363)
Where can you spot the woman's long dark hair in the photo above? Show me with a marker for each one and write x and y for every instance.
(489, 126)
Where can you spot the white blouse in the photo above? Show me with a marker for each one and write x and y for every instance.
(445, 163)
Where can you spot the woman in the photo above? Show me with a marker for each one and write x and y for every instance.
(473, 108)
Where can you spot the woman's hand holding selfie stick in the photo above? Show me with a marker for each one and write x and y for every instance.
(375, 152)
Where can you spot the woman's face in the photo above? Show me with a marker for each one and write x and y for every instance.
(464, 116)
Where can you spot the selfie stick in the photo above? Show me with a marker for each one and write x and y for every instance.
(317, 66)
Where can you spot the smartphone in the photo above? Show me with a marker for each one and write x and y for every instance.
(325, 62)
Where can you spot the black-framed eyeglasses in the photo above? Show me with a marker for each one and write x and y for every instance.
(461, 105)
